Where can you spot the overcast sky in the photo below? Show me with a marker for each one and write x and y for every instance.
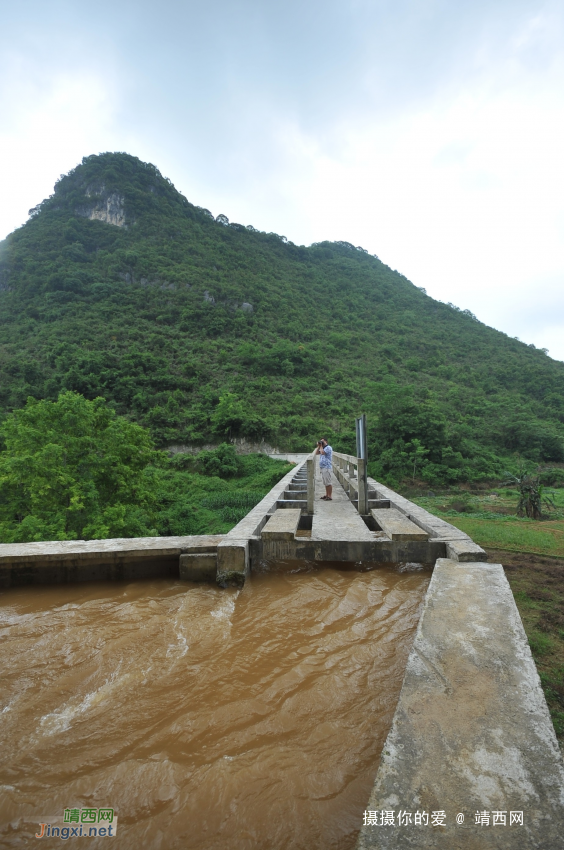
(430, 132)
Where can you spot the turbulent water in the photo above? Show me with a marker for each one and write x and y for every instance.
(205, 718)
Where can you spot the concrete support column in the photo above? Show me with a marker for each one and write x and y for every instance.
(343, 475)
(233, 565)
(310, 484)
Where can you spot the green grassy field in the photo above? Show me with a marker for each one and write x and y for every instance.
(490, 519)
(546, 538)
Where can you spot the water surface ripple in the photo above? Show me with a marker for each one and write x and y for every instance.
(206, 718)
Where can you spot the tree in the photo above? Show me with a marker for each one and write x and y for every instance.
(404, 420)
(74, 469)
(417, 454)
(221, 461)
(229, 415)
(531, 493)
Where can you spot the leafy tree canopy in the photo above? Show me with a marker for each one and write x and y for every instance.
(73, 469)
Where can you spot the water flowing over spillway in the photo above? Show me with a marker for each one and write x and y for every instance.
(206, 718)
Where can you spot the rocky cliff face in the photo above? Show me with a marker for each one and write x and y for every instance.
(117, 189)
(110, 208)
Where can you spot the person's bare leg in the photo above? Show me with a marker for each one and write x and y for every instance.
(328, 490)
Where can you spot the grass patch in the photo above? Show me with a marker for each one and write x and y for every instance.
(193, 502)
(518, 536)
(491, 521)
(540, 644)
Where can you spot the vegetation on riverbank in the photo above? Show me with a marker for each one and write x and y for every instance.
(72, 469)
(490, 518)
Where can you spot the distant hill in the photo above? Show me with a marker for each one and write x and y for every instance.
(202, 330)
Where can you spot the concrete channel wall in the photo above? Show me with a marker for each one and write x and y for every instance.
(472, 744)
(123, 559)
(190, 558)
(236, 550)
(230, 558)
(472, 747)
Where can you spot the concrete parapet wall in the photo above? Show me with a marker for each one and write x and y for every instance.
(57, 562)
(472, 732)
(234, 553)
(438, 529)
(367, 551)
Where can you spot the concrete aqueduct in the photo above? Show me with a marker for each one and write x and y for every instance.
(471, 736)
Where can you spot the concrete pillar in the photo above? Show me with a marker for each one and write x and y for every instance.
(310, 484)
(233, 564)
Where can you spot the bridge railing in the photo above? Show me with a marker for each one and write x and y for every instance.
(351, 473)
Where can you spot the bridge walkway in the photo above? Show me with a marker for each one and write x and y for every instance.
(337, 520)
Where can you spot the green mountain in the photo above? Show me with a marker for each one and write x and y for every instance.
(203, 330)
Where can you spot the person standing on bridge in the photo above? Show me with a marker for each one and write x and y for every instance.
(325, 452)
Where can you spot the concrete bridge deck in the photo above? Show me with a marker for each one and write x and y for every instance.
(337, 520)
(330, 531)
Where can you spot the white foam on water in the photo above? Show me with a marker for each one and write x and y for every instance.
(61, 719)
(180, 648)
(409, 567)
(226, 608)
(223, 613)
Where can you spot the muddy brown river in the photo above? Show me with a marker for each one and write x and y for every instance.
(206, 718)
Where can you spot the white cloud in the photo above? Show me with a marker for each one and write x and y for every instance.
(49, 121)
(464, 196)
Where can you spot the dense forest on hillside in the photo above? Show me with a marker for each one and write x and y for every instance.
(202, 330)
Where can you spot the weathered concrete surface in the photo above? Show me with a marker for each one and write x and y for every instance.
(233, 562)
(397, 526)
(198, 566)
(55, 562)
(378, 550)
(337, 520)
(282, 525)
(338, 533)
(465, 550)
(291, 503)
(296, 495)
(233, 553)
(437, 528)
(471, 732)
